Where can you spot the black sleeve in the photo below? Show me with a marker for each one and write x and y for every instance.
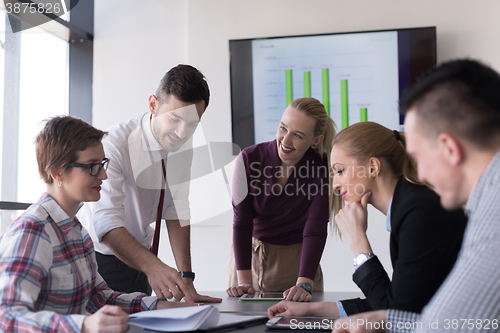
(373, 280)
(355, 305)
(424, 246)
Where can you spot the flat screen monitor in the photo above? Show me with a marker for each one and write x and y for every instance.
(358, 76)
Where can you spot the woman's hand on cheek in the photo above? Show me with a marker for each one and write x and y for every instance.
(352, 219)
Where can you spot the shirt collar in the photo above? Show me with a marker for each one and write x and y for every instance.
(151, 144)
(388, 220)
(489, 176)
(58, 215)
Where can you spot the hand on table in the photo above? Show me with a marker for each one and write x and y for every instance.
(344, 325)
(167, 283)
(297, 294)
(109, 318)
(197, 297)
(288, 308)
(352, 219)
(242, 288)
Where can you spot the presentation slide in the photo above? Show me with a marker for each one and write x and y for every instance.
(354, 75)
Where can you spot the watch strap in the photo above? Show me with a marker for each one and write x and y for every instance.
(306, 286)
(187, 275)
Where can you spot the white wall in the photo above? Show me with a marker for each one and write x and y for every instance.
(137, 42)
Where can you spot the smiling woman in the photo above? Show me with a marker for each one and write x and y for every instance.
(371, 166)
(280, 227)
(48, 270)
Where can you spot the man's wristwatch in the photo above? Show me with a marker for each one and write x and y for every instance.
(306, 286)
(187, 275)
(360, 258)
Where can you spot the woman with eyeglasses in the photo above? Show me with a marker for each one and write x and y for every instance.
(48, 271)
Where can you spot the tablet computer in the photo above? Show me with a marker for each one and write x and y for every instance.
(262, 296)
(302, 323)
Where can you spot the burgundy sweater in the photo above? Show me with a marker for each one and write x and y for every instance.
(299, 214)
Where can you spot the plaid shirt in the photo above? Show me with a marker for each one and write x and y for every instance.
(48, 274)
(469, 299)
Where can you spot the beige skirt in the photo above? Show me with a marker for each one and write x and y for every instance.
(274, 267)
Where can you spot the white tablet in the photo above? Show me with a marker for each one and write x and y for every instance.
(262, 296)
(302, 323)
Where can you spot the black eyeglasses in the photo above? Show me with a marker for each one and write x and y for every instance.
(95, 168)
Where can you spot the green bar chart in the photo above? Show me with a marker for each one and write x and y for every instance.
(289, 86)
(363, 114)
(325, 79)
(345, 103)
(326, 89)
(355, 78)
(307, 84)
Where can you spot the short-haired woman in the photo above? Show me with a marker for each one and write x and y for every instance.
(48, 271)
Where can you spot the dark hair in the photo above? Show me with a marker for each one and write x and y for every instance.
(460, 97)
(184, 82)
(59, 142)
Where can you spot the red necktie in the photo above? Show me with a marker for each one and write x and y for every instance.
(156, 237)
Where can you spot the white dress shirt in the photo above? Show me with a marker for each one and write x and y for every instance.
(130, 195)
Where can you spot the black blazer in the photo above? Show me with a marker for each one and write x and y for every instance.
(425, 241)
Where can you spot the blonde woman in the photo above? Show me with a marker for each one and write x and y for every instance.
(371, 166)
(280, 227)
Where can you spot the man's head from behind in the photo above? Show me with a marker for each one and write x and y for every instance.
(177, 106)
(452, 121)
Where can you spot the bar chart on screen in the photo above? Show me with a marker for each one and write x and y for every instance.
(355, 77)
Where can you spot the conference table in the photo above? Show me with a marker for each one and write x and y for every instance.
(232, 305)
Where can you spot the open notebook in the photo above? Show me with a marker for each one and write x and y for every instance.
(190, 319)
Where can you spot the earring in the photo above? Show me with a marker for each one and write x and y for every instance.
(313, 146)
(59, 184)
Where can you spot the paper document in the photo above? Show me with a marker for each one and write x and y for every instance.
(177, 319)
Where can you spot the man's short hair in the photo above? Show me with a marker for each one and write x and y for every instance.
(185, 83)
(460, 97)
(60, 141)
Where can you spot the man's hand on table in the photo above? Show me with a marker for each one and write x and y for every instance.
(166, 283)
(197, 297)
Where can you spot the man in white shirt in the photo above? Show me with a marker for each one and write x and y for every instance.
(147, 154)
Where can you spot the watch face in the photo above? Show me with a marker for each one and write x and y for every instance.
(361, 258)
(306, 286)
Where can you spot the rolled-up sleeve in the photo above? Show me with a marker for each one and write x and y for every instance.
(243, 216)
(109, 212)
(178, 207)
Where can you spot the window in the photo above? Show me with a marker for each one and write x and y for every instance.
(40, 76)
